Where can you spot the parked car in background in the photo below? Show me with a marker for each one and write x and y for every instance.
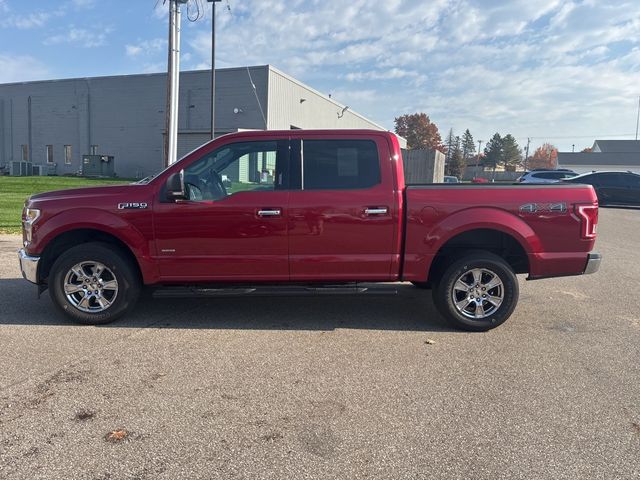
(612, 188)
(451, 179)
(546, 176)
(479, 180)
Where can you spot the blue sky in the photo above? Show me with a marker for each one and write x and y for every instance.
(560, 71)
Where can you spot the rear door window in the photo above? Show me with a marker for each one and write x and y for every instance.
(339, 164)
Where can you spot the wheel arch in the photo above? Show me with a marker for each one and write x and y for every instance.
(493, 240)
(71, 238)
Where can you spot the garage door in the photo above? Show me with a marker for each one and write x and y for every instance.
(190, 141)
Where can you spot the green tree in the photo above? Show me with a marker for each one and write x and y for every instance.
(419, 131)
(457, 162)
(511, 153)
(468, 145)
(450, 144)
(493, 152)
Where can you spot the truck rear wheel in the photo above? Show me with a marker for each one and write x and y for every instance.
(93, 283)
(477, 292)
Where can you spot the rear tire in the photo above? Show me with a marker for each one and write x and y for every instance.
(94, 283)
(477, 293)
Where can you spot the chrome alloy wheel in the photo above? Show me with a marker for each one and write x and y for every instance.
(478, 293)
(90, 287)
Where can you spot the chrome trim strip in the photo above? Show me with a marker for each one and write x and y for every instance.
(28, 266)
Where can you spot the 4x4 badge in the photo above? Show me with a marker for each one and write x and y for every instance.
(557, 207)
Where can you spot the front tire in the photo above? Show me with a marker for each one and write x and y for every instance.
(94, 283)
(477, 293)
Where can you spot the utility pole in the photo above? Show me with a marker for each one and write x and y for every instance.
(213, 66)
(526, 155)
(638, 119)
(478, 162)
(173, 83)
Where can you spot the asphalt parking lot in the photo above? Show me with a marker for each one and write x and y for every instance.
(329, 387)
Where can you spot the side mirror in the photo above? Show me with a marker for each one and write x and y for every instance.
(175, 186)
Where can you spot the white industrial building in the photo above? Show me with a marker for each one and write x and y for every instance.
(53, 123)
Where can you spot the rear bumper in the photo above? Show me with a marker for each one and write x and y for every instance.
(593, 263)
(28, 266)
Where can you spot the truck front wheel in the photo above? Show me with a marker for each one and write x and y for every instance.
(93, 283)
(477, 292)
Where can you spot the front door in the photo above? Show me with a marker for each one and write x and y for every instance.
(342, 219)
(233, 225)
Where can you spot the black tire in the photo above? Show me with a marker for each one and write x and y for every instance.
(118, 268)
(484, 264)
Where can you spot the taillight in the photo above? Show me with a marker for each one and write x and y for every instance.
(589, 218)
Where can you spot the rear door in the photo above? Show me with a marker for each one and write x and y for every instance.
(633, 188)
(612, 188)
(342, 216)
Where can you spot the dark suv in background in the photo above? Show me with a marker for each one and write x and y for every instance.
(612, 188)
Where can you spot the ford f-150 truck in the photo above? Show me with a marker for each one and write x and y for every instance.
(303, 212)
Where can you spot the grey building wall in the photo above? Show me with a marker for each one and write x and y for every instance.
(125, 115)
(292, 103)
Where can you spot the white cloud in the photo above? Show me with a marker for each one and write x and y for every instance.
(146, 47)
(21, 68)
(27, 21)
(80, 36)
(84, 3)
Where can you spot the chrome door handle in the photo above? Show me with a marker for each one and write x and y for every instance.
(376, 211)
(275, 212)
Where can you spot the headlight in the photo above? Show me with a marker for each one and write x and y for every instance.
(29, 216)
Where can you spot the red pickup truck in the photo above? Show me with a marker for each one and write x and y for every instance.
(303, 212)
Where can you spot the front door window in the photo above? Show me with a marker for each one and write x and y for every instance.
(234, 168)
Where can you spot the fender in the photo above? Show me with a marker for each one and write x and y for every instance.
(483, 218)
(104, 221)
(426, 235)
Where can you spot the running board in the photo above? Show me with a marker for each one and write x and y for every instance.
(270, 290)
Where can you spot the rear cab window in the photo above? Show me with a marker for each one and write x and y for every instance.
(339, 164)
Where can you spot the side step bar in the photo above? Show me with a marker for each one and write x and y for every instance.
(275, 290)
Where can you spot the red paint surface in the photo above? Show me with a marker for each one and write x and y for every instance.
(321, 235)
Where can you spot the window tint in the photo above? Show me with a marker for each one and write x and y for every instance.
(633, 180)
(549, 175)
(340, 164)
(611, 180)
(237, 167)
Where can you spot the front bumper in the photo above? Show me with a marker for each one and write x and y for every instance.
(28, 266)
(593, 263)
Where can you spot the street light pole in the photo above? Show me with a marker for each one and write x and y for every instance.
(213, 66)
(173, 83)
(478, 162)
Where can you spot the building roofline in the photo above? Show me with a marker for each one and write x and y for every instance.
(129, 75)
(325, 97)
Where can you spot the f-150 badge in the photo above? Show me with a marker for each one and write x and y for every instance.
(129, 205)
(559, 207)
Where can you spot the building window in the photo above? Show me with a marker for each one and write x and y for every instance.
(25, 153)
(49, 153)
(67, 154)
(94, 150)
